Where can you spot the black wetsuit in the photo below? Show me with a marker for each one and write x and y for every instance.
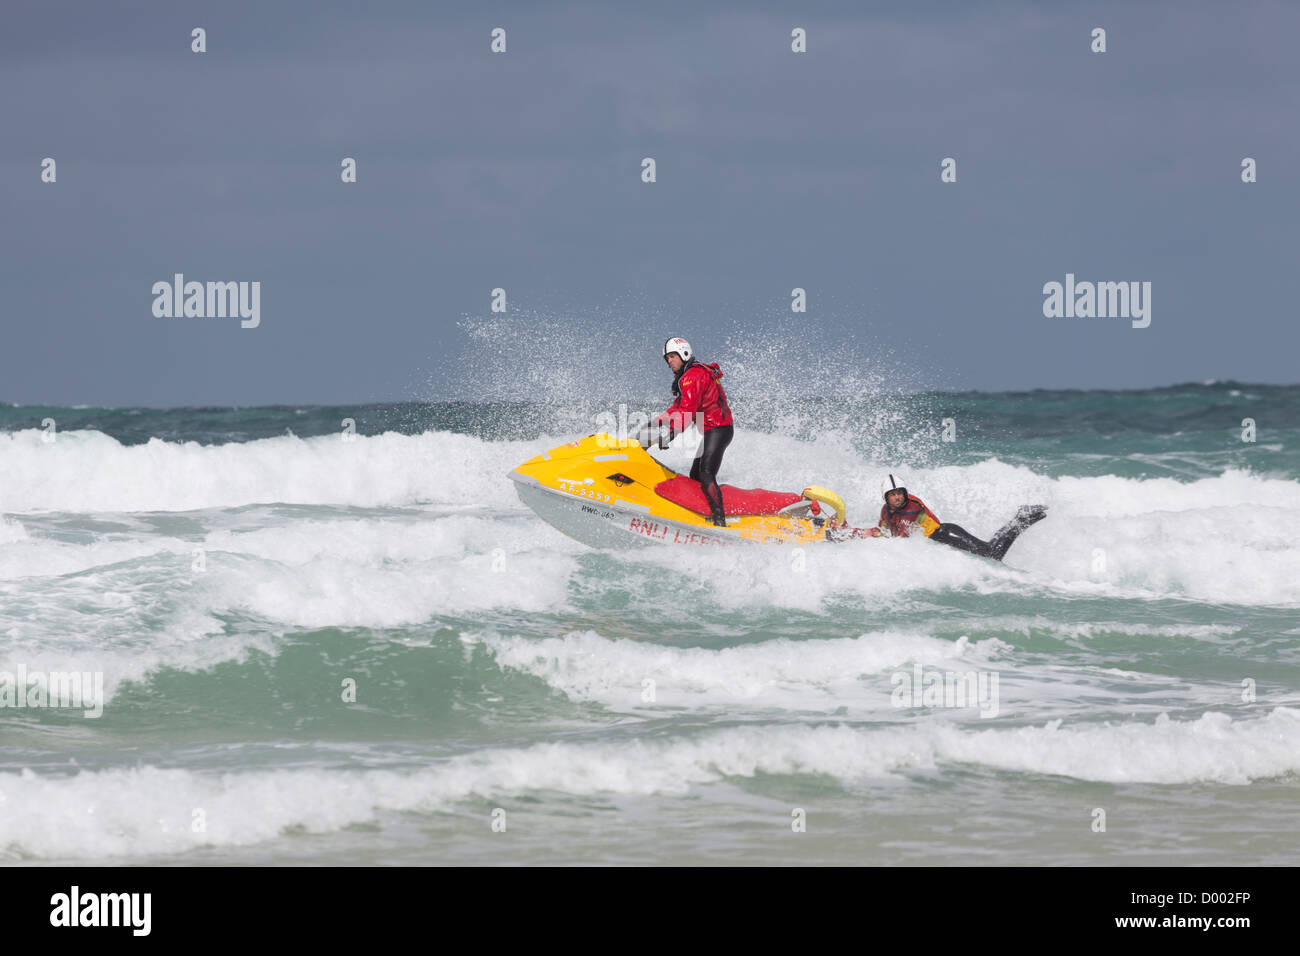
(705, 469)
(958, 537)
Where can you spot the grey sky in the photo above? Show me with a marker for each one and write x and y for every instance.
(522, 170)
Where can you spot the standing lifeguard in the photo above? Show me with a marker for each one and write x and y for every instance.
(698, 396)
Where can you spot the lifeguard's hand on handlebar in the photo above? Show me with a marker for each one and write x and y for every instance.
(650, 434)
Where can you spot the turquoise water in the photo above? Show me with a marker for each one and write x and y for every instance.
(230, 572)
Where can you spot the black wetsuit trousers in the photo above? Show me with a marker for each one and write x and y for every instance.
(706, 466)
(963, 540)
(959, 537)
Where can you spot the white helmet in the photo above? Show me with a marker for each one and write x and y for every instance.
(681, 347)
(892, 483)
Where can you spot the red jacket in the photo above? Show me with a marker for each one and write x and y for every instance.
(700, 392)
(907, 518)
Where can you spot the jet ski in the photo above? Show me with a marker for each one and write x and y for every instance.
(609, 493)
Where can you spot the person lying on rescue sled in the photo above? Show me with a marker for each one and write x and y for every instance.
(903, 514)
(698, 395)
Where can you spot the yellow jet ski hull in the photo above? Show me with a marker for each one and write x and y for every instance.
(601, 491)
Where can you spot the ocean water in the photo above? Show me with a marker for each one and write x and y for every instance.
(237, 576)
